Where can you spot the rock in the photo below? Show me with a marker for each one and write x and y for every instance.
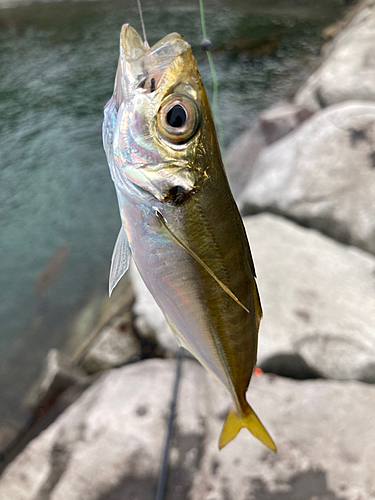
(42, 418)
(108, 443)
(322, 175)
(111, 438)
(319, 454)
(114, 346)
(318, 300)
(99, 312)
(353, 8)
(348, 72)
(241, 156)
(58, 374)
(271, 125)
(279, 120)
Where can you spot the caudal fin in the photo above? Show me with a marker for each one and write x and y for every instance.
(234, 424)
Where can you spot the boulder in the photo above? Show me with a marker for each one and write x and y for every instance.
(280, 119)
(348, 71)
(99, 312)
(115, 345)
(322, 175)
(318, 299)
(108, 443)
(58, 374)
(320, 455)
(271, 125)
(241, 156)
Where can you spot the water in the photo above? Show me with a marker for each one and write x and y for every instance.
(57, 66)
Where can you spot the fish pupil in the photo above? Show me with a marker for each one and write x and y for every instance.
(176, 116)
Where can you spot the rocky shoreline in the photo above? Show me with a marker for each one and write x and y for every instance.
(303, 175)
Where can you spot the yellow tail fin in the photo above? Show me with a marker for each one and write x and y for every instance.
(234, 424)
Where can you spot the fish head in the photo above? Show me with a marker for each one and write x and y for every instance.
(158, 131)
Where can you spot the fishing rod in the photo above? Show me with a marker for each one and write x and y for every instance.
(170, 427)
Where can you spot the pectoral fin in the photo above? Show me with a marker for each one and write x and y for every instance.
(120, 260)
(200, 261)
(234, 423)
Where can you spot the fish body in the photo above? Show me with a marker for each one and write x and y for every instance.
(179, 218)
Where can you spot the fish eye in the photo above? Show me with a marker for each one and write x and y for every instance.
(178, 119)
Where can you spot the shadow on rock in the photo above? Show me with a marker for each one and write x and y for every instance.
(311, 484)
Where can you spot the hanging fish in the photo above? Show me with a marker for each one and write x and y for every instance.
(179, 219)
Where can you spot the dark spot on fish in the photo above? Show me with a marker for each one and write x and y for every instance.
(177, 195)
(141, 411)
(357, 136)
(176, 116)
(372, 159)
(152, 85)
(237, 462)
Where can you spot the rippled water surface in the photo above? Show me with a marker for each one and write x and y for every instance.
(58, 211)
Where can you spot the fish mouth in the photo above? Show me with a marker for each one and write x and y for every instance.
(142, 67)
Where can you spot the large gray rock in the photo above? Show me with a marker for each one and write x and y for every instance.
(108, 443)
(115, 345)
(100, 311)
(272, 124)
(241, 156)
(320, 455)
(318, 299)
(58, 374)
(322, 175)
(348, 71)
(280, 119)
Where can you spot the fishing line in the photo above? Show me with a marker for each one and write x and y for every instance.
(143, 24)
(206, 43)
(171, 418)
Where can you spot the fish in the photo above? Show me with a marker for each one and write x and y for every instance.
(179, 220)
